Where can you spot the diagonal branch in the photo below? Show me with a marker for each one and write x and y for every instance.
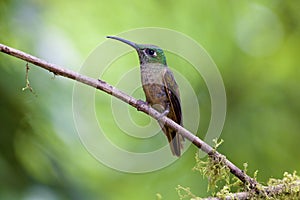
(140, 105)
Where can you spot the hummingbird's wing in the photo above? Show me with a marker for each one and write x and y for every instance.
(175, 114)
(173, 95)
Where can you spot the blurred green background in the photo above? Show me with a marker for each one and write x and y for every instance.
(255, 45)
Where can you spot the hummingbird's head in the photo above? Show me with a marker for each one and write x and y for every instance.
(147, 53)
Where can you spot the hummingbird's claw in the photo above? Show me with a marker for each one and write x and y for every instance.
(165, 113)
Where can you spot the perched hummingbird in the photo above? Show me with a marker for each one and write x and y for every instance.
(160, 88)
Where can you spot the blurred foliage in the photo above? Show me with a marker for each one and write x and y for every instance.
(255, 45)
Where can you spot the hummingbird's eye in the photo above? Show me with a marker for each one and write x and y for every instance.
(151, 52)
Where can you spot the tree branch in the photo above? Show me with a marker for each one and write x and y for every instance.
(140, 105)
(270, 191)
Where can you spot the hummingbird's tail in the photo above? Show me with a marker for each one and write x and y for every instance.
(175, 140)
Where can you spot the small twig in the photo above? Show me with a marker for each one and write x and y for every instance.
(27, 86)
(101, 85)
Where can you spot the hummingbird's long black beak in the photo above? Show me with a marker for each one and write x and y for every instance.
(134, 45)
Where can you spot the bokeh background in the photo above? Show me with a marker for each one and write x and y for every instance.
(255, 45)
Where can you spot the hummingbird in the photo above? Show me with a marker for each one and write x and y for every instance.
(160, 88)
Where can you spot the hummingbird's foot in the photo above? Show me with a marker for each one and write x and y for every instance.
(165, 113)
(140, 103)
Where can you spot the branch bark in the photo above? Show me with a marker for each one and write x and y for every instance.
(138, 104)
